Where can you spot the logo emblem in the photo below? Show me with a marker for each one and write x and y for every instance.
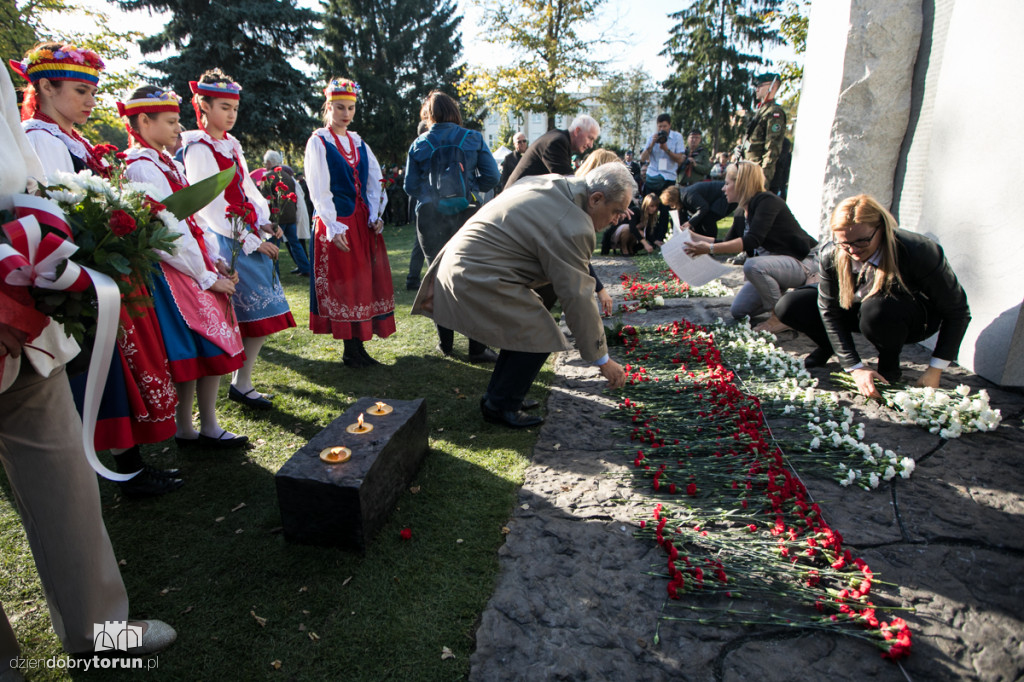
(116, 635)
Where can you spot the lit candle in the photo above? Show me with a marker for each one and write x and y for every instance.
(380, 409)
(336, 455)
(359, 426)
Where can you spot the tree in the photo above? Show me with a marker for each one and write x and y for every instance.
(252, 42)
(793, 23)
(547, 56)
(627, 102)
(23, 26)
(715, 45)
(398, 51)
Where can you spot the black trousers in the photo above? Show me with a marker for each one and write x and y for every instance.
(513, 374)
(708, 225)
(889, 322)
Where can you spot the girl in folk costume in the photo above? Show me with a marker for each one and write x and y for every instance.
(61, 94)
(191, 294)
(351, 295)
(138, 400)
(258, 299)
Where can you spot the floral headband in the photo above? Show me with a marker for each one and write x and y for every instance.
(153, 103)
(216, 90)
(68, 63)
(342, 89)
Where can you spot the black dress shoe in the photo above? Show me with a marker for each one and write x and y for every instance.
(530, 404)
(818, 357)
(412, 286)
(516, 419)
(187, 443)
(147, 484)
(367, 358)
(485, 356)
(222, 443)
(353, 361)
(162, 473)
(258, 402)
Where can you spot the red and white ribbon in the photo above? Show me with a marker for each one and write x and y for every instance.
(32, 259)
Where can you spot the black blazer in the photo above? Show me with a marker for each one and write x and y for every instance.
(549, 153)
(928, 278)
(705, 198)
(771, 226)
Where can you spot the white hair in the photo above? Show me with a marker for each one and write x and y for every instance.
(519, 136)
(586, 123)
(613, 180)
(272, 158)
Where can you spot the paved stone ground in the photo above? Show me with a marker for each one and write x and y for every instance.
(574, 601)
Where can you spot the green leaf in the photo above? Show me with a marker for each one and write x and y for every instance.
(187, 201)
(119, 263)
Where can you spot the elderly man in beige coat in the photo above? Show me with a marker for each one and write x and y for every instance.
(539, 231)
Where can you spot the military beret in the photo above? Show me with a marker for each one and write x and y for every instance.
(766, 77)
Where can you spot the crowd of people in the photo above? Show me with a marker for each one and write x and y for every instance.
(496, 269)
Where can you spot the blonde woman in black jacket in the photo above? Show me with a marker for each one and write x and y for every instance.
(893, 286)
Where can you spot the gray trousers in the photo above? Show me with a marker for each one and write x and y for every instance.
(58, 498)
(768, 277)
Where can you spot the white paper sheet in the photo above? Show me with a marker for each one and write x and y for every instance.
(694, 271)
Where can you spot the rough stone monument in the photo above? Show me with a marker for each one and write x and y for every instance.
(345, 504)
(916, 102)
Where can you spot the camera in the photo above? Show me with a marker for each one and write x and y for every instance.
(661, 137)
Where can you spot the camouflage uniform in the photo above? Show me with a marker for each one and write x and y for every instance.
(763, 144)
(697, 171)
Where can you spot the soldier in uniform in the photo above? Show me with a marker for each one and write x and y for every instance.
(765, 132)
(696, 161)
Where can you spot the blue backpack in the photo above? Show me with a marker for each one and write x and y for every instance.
(448, 176)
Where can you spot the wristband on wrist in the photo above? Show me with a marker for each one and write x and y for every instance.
(711, 249)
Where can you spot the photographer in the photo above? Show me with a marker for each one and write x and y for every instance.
(665, 151)
(696, 161)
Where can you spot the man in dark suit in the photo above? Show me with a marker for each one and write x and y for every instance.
(511, 160)
(552, 152)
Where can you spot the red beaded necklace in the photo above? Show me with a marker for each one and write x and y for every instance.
(92, 160)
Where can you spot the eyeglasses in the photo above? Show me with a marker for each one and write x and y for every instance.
(858, 243)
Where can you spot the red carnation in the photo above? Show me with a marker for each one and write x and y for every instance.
(291, 197)
(691, 489)
(280, 187)
(405, 533)
(278, 169)
(121, 223)
(275, 210)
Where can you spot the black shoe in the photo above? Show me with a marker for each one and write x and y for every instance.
(186, 443)
(162, 473)
(412, 286)
(147, 484)
(818, 357)
(354, 361)
(367, 358)
(530, 404)
(222, 443)
(258, 402)
(295, 271)
(447, 352)
(485, 356)
(516, 419)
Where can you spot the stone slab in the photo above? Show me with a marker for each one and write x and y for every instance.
(344, 505)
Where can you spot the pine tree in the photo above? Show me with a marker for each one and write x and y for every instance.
(397, 51)
(251, 42)
(716, 46)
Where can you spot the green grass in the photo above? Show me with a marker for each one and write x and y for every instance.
(190, 560)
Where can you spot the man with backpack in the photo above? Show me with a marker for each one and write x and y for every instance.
(448, 168)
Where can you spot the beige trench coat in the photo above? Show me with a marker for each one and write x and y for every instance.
(482, 283)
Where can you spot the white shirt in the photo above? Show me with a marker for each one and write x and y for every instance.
(187, 256)
(201, 164)
(53, 146)
(301, 214)
(318, 179)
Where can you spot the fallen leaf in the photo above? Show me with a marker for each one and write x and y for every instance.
(315, 637)
(219, 519)
(302, 627)
(305, 612)
(456, 389)
(189, 609)
(459, 541)
(505, 530)
(239, 531)
(276, 665)
(238, 506)
(556, 446)
(566, 488)
(122, 562)
(260, 620)
(446, 653)
(303, 589)
(415, 489)
(346, 581)
(472, 436)
(524, 506)
(261, 441)
(164, 450)
(440, 430)
(163, 592)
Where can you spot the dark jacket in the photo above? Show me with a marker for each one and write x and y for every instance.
(703, 199)
(655, 233)
(549, 153)
(771, 226)
(928, 278)
(697, 169)
(482, 169)
(508, 164)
